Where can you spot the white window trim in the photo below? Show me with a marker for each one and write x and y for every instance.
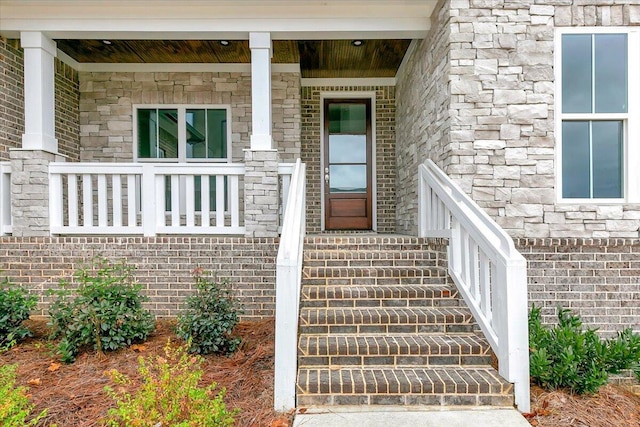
(182, 132)
(631, 119)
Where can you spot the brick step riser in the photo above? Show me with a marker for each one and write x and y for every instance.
(406, 399)
(372, 281)
(381, 303)
(389, 329)
(403, 360)
(373, 263)
(378, 275)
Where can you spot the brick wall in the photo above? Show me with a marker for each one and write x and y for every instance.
(106, 108)
(67, 104)
(596, 278)
(163, 266)
(11, 100)
(385, 116)
(495, 134)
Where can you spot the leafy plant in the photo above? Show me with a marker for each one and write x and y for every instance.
(15, 305)
(15, 409)
(210, 317)
(566, 356)
(169, 395)
(105, 311)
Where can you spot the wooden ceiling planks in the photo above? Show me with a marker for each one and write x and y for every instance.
(317, 58)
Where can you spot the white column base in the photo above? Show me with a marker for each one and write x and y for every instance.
(34, 141)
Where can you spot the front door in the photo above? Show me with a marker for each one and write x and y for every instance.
(347, 164)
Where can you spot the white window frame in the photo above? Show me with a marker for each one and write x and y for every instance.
(182, 132)
(630, 119)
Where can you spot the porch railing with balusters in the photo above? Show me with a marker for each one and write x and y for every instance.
(488, 271)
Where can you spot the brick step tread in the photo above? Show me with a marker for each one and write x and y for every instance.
(364, 253)
(375, 292)
(383, 241)
(377, 281)
(385, 316)
(429, 264)
(372, 271)
(398, 345)
(402, 380)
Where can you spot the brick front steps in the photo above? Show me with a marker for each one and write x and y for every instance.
(381, 324)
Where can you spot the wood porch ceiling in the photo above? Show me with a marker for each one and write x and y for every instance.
(317, 58)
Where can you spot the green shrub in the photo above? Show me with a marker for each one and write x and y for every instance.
(566, 356)
(15, 409)
(169, 395)
(105, 311)
(15, 305)
(211, 315)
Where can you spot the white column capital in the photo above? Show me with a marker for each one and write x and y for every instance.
(259, 40)
(37, 40)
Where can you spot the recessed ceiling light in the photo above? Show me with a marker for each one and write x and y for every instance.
(106, 42)
(224, 42)
(357, 43)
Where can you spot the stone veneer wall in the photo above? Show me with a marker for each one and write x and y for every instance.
(385, 117)
(423, 114)
(11, 99)
(500, 144)
(596, 278)
(163, 265)
(106, 108)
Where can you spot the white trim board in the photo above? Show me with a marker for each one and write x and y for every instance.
(353, 81)
(94, 67)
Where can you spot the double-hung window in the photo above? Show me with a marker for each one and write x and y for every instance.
(184, 133)
(598, 95)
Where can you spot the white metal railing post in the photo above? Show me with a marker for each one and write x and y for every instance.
(288, 284)
(488, 271)
(55, 202)
(149, 199)
(5, 198)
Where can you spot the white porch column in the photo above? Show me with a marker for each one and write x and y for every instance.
(260, 45)
(39, 79)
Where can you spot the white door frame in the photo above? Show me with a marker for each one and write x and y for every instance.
(374, 194)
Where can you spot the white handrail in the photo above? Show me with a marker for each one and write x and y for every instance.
(145, 198)
(288, 282)
(484, 264)
(285, 170)
(5, 198)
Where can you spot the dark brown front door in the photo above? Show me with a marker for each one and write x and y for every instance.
(347, 164)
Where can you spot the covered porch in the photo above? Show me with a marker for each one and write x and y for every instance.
(122, 119)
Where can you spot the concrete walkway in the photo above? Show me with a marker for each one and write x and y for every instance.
(408, 417)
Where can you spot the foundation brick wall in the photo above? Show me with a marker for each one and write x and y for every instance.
(163, 266)
(11, 98)
(107, 99)
(385, 118)
(499, 143)
(599, 279)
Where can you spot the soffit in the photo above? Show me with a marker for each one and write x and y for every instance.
(317, 58)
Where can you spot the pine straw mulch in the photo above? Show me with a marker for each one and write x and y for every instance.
(74, 394)
(612, 406)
